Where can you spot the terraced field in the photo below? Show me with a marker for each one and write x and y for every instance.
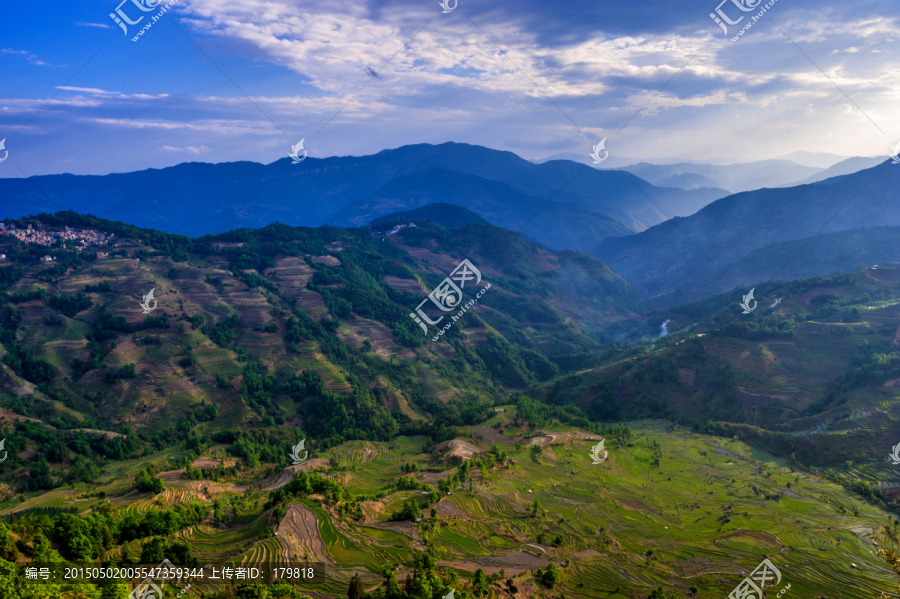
(705, 512)
(668, 508)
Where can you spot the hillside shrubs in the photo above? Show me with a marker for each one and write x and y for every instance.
(101, 287)
(145, 482)
(70, 305)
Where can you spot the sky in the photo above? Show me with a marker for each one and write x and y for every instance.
(229, 80)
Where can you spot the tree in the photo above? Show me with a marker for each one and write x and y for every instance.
(39, 475)
(480, 582)
(355, 590)
(8, 549)
(114, 590)
(145, 482)
(156, 550)
(550, 577)
(410, 511)
(391, 588)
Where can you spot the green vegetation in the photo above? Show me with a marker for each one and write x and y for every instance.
(147, 483)
(131, 438)
(70, 305)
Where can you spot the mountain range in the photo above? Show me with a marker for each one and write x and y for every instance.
(701, 247)
(820, 160)
(733, 177)
(621, 217)
(585, 205)
(134, 436)
(844, 167)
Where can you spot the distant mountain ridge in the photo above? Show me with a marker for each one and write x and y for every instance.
(824, 254)
(199, 198)
(560, 225)
(816, 159)
(733, 177)
(673, 253)
(844, 167)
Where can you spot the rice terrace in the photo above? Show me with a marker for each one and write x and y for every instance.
(450, 299)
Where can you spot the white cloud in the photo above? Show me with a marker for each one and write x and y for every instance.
(217, 127)
(190, 149)
(32, 58)
(753, 99)
(88, 90)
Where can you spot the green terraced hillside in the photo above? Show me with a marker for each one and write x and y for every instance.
(458, 464)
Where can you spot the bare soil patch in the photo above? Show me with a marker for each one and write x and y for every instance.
(634, 504)
(514, 563)
(686, 375)
(326, 260)
(213, 462)
(299, 530)
(381, 338)
(291, 275)
(571, 435)
(107, 434)
(373, 511)
(287, 475)
(8, 417)
(491, 435)
(312, 302)
(448, 509)
(542, 441)
(14, 384)
(462, 448)
(409, 285)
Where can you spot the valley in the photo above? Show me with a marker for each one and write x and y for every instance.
(462, 462)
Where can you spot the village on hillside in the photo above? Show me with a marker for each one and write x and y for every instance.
(83, 238)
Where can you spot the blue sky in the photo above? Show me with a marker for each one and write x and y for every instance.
(161, 100)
